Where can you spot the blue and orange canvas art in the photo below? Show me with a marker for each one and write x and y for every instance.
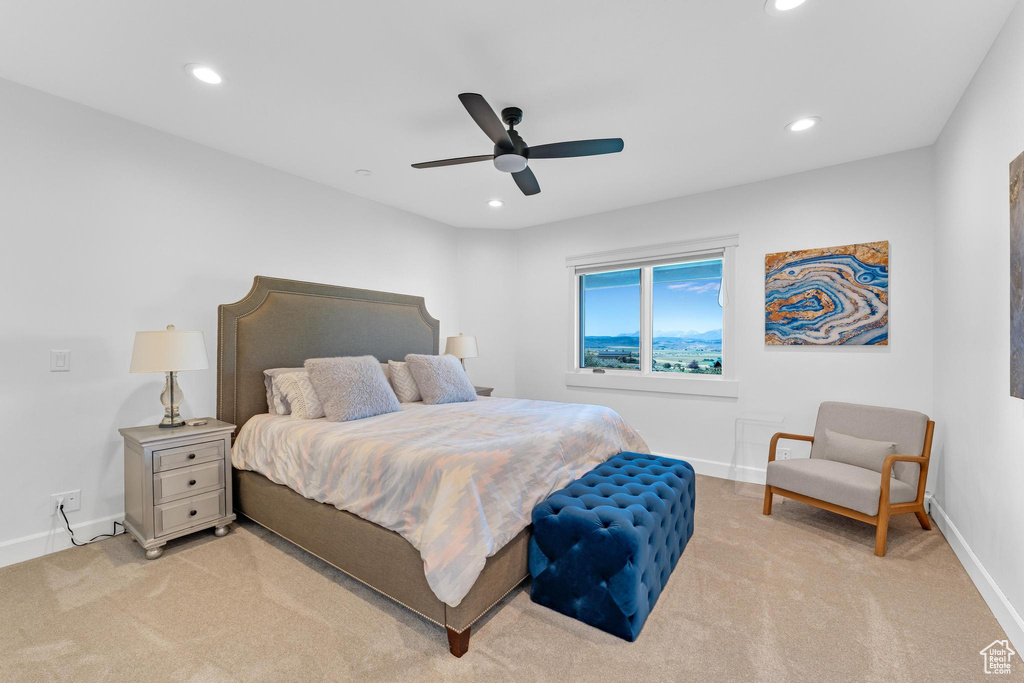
(832, 297)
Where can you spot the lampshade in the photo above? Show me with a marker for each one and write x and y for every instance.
(169, 351)
(461, 347)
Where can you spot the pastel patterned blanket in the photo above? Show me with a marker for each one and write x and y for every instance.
(458, 481)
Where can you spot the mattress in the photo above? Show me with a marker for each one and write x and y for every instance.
(458, 481)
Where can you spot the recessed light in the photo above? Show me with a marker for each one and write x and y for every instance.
(780, 6)
(205, 74)
(803, 124)
(363, 172)
(495, 203)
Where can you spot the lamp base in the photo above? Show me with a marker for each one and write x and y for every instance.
(171, 398)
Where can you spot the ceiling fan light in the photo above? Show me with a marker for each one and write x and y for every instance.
(510, 163)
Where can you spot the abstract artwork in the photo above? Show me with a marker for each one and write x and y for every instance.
(1017, 277)
(834, 296)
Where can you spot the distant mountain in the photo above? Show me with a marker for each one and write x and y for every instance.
(691, 335)
(688, 335)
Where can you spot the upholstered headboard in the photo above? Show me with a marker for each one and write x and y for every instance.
(281, 323)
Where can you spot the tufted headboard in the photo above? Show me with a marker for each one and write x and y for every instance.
(281, 323)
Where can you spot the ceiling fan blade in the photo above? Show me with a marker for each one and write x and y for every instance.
(453, 162)
(485, 117)
(576, 148)
(526, 181)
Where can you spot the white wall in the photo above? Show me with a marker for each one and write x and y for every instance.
(979, 478)
(486, 283)
(109, 227)
(887, 198)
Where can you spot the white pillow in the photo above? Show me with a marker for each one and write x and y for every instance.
(277, 404)
(298, 390)
(403, 382)
(352, 387)
(440, 379)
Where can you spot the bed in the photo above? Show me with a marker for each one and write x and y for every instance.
(449, 548)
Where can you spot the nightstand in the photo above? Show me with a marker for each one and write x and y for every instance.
(483, 391)
(176, 481)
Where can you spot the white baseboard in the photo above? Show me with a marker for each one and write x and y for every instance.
(722, 470)
(28, 547)
(1007, 616)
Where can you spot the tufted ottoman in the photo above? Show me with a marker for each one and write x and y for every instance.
(603, 547)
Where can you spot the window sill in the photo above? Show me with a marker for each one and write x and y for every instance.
(700, 386)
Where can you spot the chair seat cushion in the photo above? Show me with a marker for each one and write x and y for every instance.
(603, 547)
(834, 482)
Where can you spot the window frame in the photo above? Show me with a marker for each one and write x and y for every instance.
(646, 258)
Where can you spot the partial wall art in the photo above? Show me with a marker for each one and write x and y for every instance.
(834, 296)
(1017, 277)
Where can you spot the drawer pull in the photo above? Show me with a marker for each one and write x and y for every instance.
(192, 513)
(191, 456)
(192, 482)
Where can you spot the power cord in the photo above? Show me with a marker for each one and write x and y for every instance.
(94, 538)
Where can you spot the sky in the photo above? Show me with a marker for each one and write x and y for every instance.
(677, 306)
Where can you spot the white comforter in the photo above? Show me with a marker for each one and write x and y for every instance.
(458, 481)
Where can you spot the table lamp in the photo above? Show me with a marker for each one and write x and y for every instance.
(169, 351)
(461, 347)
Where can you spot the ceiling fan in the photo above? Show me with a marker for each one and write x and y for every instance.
(511, 153)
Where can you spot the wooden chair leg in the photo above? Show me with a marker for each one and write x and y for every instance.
(768, 496)
(458, 643)
(922, 517)
(883, 530)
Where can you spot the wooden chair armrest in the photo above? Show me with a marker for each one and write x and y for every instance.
(784, 435)
(891, 460)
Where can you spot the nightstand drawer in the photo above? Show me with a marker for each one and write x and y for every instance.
(171, 517)
(188, 481)
(169, 458)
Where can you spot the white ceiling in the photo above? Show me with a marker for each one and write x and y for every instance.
(700, 90)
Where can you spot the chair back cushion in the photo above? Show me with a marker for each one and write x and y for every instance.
(905, 428)
(852, 450)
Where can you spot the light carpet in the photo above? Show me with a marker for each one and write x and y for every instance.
(798, 596)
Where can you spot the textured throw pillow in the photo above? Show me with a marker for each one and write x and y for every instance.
(403, 382)
(352, 387)
(276, 402)
(853, 450)
(298, 390)
(440, 379)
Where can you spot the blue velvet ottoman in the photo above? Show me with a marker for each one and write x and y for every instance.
(603, 547)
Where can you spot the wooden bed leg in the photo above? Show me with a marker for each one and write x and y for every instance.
(768, 500)
(922, 517)
(458, 643)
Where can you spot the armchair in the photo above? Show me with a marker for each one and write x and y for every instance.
(864, 493)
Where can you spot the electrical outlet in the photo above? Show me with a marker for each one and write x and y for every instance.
(72, 501)
(783, 454)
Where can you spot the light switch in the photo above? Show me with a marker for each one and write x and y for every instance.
(60, 361)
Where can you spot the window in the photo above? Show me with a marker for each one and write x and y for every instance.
(654, 318)
(686, 318)
(610, 320)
